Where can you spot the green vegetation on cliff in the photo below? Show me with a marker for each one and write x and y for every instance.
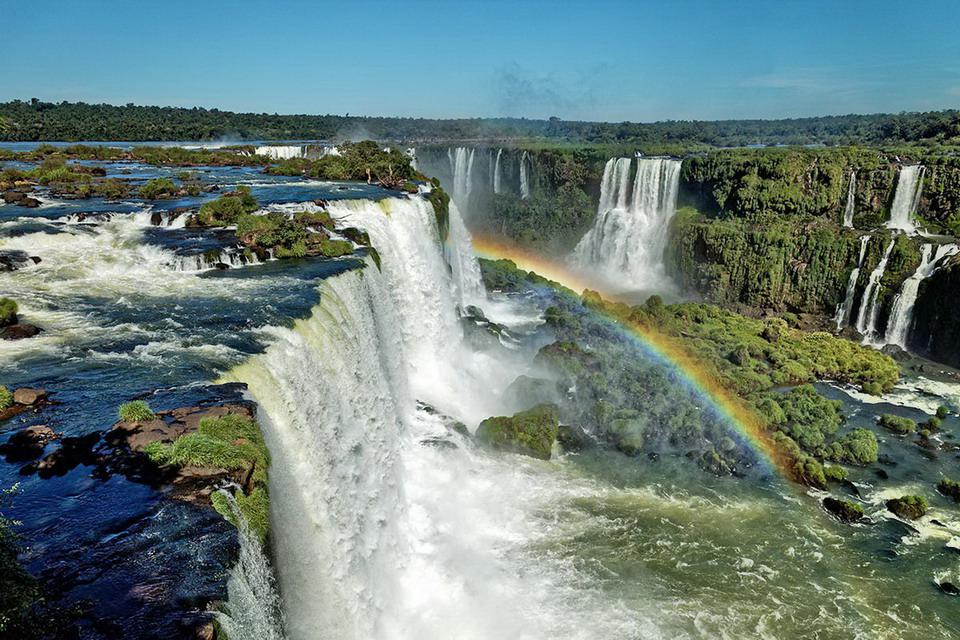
(365, 160)
(531, 432)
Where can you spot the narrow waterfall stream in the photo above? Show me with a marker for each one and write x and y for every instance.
(869, 309)
(849, 209)
(843, 311)
(906, 198)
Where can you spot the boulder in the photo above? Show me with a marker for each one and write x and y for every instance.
(530, 432)
(572, 438)
(949, 588)
(28, 443)
(843, 510)
(908, 507)
(19, 331)
(29, 397)
(73, 452)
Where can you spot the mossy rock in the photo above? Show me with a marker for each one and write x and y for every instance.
(897, 424)
(8, 312)
(908, 507)
(843, 510)
(531, 432)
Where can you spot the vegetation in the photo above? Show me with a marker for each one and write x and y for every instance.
(897, 424)
(158, 188)
(949, 488)
(233, 443)
(135, 411)
(6, 398)
(18, 590)
(908, 507)
(8, 312)
(531, 432)
(227, 209)
(844, 510)
(37, 120)
(365, 160)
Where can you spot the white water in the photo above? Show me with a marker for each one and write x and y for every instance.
(851, 195)
(465, 270)
(901, 314)
(497, 188)
(906, 198)
(525, 175)
(869, 309)
(461, 166)
(376, 535)
(282, 152)
(626, 243)
(843, 311)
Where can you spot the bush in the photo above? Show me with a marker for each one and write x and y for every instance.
(6, 398)
(158, 188)
(835, 473)
(859, 446)
(228, 208)
(135, 411)
(942, 412)
(897, 424)
(8, 312)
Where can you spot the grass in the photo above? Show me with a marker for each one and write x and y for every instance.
(8, 312)
(230, 442)
(6, 398)
(135, 411)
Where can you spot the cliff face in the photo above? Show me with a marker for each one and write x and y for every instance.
(936, 329)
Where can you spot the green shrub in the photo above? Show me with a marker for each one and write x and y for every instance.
(158, 188)
(8, 312)
(835, 473)
(135, 411)
(942, 412)
(6, 398)
(228, 208)
(897, 424)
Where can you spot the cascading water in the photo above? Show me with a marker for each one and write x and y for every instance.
(282, 152)
(869, 309)
(461, 166)
(525, 175)
(376, 535)
(458, 251)
(497, 186)
(901, 314)
(628, 237)
(906, 198)
(851, 196)
(843, 311)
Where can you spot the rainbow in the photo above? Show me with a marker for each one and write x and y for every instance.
(664, 349)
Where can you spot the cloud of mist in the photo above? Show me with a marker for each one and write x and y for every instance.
(519, 92)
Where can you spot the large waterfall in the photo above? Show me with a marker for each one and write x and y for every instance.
(497, 187)
(843, 311)
(376, 534)
(851, 204)
(628, 237)
(901, 315)
(282, 152)
(869, 309)
(906, 198)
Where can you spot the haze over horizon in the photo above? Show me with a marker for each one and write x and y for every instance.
(681, 61)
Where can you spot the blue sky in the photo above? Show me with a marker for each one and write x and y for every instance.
(638, 61)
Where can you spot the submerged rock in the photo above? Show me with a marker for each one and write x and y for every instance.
(28, 443)
(949, 588)
(531, 432)
(19, 331)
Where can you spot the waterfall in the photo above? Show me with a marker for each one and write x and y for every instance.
(906, 198)
(458, 251)
(843, 311)
(282, 152)
(525, 175)
(377, 536)
(461, 166)
(629, 235)
(901, 314)
(869, 309)
(497, 188)
(851, 195)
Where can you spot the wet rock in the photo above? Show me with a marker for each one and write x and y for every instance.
(20, 198)
(572, 438)
(530, 432)
(843, 510)
(28, 443)
(14, 260)
(949, 588)
(880, 473)
(908, 507)
(19, 331)
(73, 452)
(29, 397)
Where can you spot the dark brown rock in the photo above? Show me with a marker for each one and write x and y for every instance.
(28, 443)
(19, 331)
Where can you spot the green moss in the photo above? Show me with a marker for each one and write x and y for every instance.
(844, 510)
(897, 424)
(335, 248)
(440, 202)
(835, 473)
(531, 432)
(8, 312)
(908, 507)
(135, 411)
